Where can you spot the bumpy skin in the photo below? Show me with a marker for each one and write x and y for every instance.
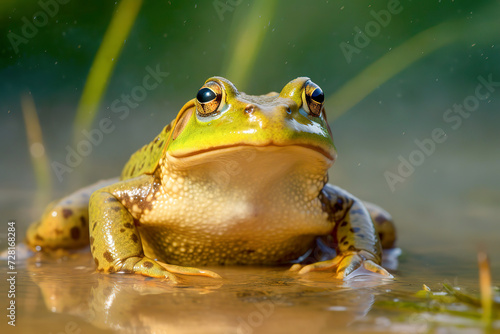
(356, 237)
(237, 179)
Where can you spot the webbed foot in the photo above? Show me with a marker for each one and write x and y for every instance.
(345, 264)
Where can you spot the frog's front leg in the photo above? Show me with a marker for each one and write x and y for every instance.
(115, 240)
(356, 241)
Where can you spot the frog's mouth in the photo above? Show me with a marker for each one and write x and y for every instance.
(329, 156)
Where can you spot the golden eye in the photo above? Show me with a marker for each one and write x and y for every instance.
(208, 99)
(314, 98)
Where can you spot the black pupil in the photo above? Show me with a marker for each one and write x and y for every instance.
(318, 95)
(205, 95)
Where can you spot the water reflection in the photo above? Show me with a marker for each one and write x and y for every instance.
(270, 299)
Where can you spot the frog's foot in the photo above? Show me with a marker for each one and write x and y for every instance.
(345, 264)
(151, 268)
(189, 270)
(146, 267)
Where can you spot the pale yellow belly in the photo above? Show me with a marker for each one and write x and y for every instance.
(196, 250)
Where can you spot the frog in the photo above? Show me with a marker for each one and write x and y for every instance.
(234, 179)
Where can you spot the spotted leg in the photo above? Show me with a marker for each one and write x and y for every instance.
(384, 225)
(64, 224)
(115, 239)
(356, 241)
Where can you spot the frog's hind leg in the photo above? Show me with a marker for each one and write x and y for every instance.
(384, 225)
(64, 224)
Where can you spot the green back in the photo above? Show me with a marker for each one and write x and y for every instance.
(145, 160)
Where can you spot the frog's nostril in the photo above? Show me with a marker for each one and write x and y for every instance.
(249, 109)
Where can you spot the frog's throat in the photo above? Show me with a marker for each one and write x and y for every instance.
(329, 156)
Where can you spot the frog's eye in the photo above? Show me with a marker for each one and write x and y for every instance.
(208, 99)
(314, 98)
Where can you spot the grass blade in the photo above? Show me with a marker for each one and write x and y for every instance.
(104, 63)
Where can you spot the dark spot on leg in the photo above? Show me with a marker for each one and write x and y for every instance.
(345, 243)
(38, 237)
(93, 226)
(344, 223)
(91, 241)
(75, 233)
(134, 238)
(132, 171)
(67, 213)
(93, 249)
(148, 264)
(96, 262)
(115, 208)
(128, 225)
(111, 200)
(122, 230)
(83, 221)
(107, 255)
(339, 205)
(343, 239)
(111, 269)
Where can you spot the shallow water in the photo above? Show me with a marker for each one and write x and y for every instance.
(66, 295)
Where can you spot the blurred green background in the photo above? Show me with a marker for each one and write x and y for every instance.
(449, 205)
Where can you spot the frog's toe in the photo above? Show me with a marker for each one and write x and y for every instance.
(295, 267)
(373, 267)
(318, 266)
(148, 267)
(346, 264)
(189, 271)
(352, 262)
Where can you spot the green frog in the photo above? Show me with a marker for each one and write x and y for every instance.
(234, 179)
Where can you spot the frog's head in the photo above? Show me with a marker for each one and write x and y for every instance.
(221, 120)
